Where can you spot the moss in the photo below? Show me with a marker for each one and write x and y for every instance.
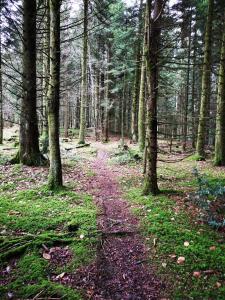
(43, 217)
(170, 229)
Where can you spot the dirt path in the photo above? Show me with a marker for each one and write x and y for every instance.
(121, 271)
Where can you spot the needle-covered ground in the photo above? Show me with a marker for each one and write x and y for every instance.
(99, 238)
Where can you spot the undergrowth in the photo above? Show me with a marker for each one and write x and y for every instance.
(166, 228)
(33, 218)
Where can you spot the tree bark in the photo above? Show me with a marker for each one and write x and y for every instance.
(29, 153)
(153, 43)
(1, 95)
(206, 74)
(219, 158)
(136, 89)
(55, 171)
(83, 103)
(142, 106)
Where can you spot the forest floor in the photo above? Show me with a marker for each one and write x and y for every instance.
(99, 237)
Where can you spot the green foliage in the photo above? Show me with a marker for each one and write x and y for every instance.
(209, 192)
(168, 229)
(126, 157)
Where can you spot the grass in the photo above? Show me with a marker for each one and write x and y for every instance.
(161, 222)
(38, 216)
(166, 225)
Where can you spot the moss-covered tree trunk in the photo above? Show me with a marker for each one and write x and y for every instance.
(136, 88)
(152, 49)
(219, 158)
(84, 78)
(29, 153)
(1, 95)
(45, 82)
(206, 74)
(55, 171)
(142, 105)
(186, 100)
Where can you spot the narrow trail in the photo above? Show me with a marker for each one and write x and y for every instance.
(121, 270)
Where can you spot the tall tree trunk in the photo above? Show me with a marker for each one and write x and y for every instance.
(193, 92)
(106, 100)
(1, 96)
(45, 82)
(55, 171)
(84, 77)
(206, 74)
(142, 106)
(219, 158)
(136, 89)
(153, 43)
(186, 104)
(29, 153)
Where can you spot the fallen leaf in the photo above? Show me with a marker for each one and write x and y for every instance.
(181, 260)
(197, 274)
(60, 276)
(164, 265)
(186, 244)
(212, 248)
(172, 256)
(209, 272)
(218, 284)
(46, 256)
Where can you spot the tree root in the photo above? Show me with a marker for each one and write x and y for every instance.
(18, 245)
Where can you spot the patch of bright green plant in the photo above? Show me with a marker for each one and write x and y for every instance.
(123, 157)
(45, 217)
(167, 229)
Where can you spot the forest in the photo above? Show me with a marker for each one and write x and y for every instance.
(112, 149)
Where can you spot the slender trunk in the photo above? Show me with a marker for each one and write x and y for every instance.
(83, 103)
(136, 89)
(187, 90)
(55, 171)
(106, 110)
(29, 153)
(193, 94)
(153, 41)
(46, 66)
(206, 74)
(66, 116)
(219, 158)
(142, 106)
(1, 96)
(122, 110)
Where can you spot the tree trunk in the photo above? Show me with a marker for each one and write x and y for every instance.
(186, 104)
(136, 89)
(219, 158)
(1, 96)
(55, 171)
(45, 83)
(206, 74)
(83, 103)
(106, 99)
(193, 92)
(153, 41)
(29, 153)
(142, 106)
